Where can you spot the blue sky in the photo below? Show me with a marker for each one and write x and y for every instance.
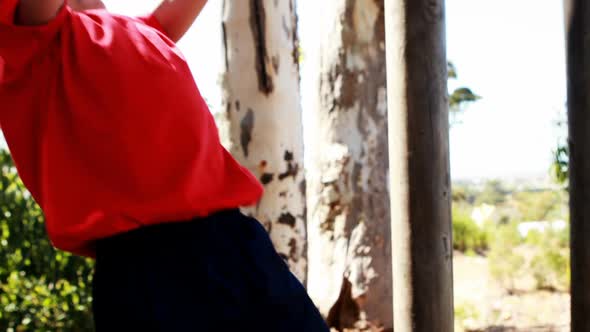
(511, 52)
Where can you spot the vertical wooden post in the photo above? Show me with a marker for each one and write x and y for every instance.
(577, 14)
(419, 165)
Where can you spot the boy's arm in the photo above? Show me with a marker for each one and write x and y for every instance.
(176, 16)
(37, 12)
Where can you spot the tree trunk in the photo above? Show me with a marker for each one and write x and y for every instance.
(261, 122)
(349, 219)
(578, 81)
(419, 166)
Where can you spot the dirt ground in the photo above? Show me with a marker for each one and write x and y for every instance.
(490, 308)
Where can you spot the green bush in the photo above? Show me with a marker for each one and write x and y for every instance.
(534, 238)
(506, 263)
(562, 237)
(557, 238)
(551, 264)
(548, 257)
(41, 288)
(34, 304)
(493, 193)
(467, 235)
(541, 205)
(551, 269)
(466, 314)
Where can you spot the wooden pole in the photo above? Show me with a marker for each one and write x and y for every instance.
(577, 20)
(419, 165)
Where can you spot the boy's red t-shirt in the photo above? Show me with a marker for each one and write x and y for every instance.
(108, 129)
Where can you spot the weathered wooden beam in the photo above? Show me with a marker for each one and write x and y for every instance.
(419, 165)
(577, 28)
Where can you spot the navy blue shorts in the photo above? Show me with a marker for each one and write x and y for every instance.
(219, 273)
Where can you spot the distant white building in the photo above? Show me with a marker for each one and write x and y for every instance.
(541, 226)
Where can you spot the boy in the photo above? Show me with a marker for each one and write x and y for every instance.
(111, 136)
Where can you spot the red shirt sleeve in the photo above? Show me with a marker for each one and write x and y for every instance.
(19, 44)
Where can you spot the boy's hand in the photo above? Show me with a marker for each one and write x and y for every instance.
(176, 16)
(37, 12)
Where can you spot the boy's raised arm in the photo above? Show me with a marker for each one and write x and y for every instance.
(37, 12)
(176, 16)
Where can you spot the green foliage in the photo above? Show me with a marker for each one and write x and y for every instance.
(540, 260)
(560, 167)
(507, 236)
(551, 264)
(561, 160)
(460, 97)
(41, 288)
(34, 304)
(467, 235)
(555, 238)
(534, 238)
(542, 255)
(506, 263)
(541, 205)
(463, 194)
(493, 193)
(451, 71)
(465, 313)
(550, 268)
